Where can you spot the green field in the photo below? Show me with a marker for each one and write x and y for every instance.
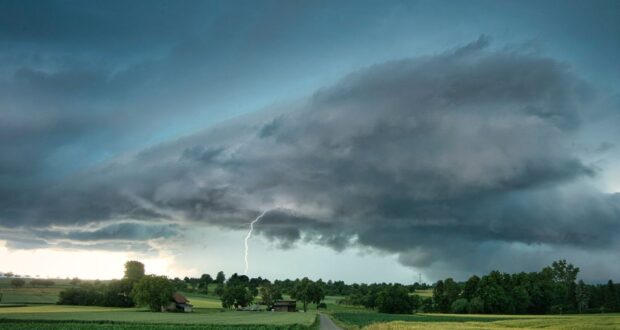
(200, 316)
(378, 321)
(137, 326)
(555, 322)
(42, 313)
(424, 293)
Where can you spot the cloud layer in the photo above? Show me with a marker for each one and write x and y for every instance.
(440, 159)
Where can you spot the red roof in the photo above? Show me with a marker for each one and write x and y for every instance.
(179, 298)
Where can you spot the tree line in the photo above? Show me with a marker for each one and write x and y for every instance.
(553, 290)
(19, 282)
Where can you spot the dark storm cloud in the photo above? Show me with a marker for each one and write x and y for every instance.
(435, 158)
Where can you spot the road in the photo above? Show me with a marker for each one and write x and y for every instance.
(327, 323)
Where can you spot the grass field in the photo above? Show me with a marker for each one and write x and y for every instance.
(29, 294)
(202, 316)
(424, 293)
(30, 325)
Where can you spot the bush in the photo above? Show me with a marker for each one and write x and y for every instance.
(476, 306)
(394, 300)
(153, 291)
(17, 282)
(460, 306)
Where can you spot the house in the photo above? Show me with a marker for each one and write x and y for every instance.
(179, 303)
(285, 306)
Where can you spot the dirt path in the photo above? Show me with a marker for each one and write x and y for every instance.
(327, 323)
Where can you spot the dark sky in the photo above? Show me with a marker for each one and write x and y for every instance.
(452, 137)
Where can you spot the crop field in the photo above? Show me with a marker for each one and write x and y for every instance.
(364, 319)
(47, 325)
(377, 321)
(580, 322)
(201, 316)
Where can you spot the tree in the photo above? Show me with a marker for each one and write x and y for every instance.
(460, 306)
(236, 295)
(269, 294)
(203, 283)
(220, 278)
(445, 293)
(564, 276)
(582, 295)
(17, 282)
(134, 270)
(471, 286)
(152, 291)
(307, 292)
(394, 300)
(610, 297)
(75, 281)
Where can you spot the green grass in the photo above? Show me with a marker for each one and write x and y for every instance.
(201, 316)
(29, 294)
(50, 325)
(203, 301)
(424, 293)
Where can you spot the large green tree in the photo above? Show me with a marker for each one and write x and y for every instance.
(152, 291)
(269, 294)
(307, 291)
(395, 299)
(236, 295)
(134, 270)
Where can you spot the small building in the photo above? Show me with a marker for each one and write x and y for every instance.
(285, 306)
(179, 303)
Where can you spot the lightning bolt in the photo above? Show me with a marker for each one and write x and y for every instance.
(247, 237)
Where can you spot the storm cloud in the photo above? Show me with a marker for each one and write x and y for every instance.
(439, 159)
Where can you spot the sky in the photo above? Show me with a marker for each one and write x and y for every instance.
(384, 141)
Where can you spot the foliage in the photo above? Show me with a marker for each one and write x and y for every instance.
(134, 270)
(269, 294)
(116, 293)
(307, 292)
(17, 282)
(236, 295)
(220, 277)
(552, 290)
(460, 306)
(152, 291)
(395, 300)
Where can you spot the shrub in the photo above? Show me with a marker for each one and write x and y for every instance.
(460, 306)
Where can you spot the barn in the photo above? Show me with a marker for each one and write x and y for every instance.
(179, 303)
(285, 306)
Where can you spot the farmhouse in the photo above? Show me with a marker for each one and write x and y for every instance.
(285, 306)
(179, 303)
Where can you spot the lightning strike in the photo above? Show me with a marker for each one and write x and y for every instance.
(247, 237)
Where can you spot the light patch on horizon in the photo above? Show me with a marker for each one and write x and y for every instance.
(84, 264)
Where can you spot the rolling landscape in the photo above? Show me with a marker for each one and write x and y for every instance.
(310, 164)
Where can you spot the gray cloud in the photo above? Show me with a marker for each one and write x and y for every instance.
(429, 157)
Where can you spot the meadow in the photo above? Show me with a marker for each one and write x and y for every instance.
(34, 308)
